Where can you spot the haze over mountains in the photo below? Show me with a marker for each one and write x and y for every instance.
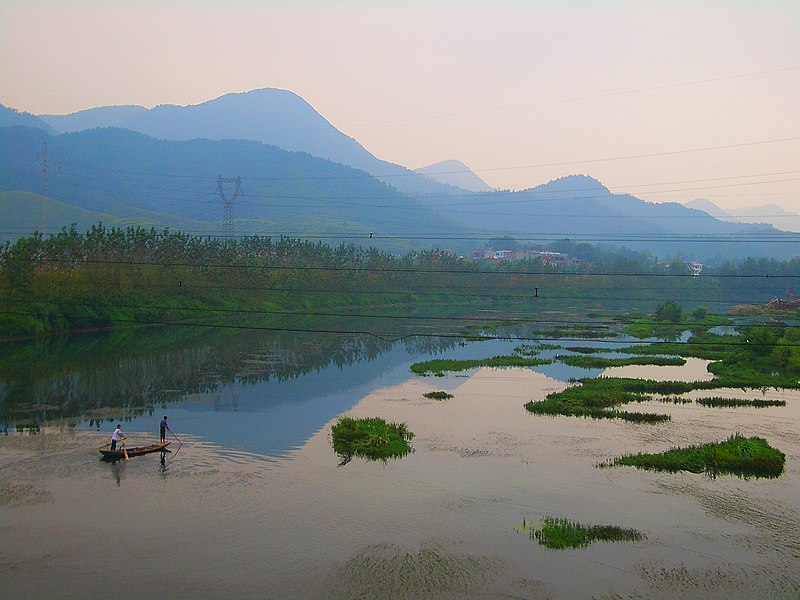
(301, 176)
(771, 214)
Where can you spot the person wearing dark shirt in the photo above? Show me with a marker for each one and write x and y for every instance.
(164, 427)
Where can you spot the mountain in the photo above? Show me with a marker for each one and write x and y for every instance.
(126, 177)
(771, 214)
(141, 179)
(708, 207)
(455, 173)
(579, 207)
(272, 116)
(10, 117)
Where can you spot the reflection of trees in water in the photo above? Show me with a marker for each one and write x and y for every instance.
(125, 374)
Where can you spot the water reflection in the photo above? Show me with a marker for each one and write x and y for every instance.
(263, 392)
(122, 375)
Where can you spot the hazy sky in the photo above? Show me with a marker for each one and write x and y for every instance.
(694, 96)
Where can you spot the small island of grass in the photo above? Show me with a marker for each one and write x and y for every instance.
(598, 399)
(370, 438)
(717, 402)
(439, 366)
(439, 395)
(738, 455)
(597, 362)
(561, 534)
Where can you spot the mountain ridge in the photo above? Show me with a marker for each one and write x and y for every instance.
(454, 172)
(269, 115)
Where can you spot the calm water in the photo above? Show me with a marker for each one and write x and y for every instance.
(253, 505)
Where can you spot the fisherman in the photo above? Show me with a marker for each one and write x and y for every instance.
(117, 436)
(164, 427)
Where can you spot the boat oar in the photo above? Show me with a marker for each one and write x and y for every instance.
(176, 437)
(125, 452)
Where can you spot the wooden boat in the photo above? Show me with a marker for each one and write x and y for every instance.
(119, 453)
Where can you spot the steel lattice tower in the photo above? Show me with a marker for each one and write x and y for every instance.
(227, 216)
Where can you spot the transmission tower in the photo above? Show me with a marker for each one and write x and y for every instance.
(227, 216)
(45, 169)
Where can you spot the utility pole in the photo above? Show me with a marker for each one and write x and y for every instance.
(227, 215)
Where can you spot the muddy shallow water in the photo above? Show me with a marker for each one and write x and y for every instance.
(443, 522)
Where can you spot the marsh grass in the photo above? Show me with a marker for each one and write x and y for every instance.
(596, 362)
(675, 400)
(370, 438)
(598, 399)
(440, 366)
(562, 534)
(718, 402)
(738, 455)
(439, 395)
(586, 350)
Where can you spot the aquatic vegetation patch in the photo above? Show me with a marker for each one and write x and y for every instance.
(598, 399)
(370, 438)
(675, 400)
(578, 331)
(596, 362)
(440, 366)
(738, 455)
(586, 349)
(718, 402)
(534, 349)
(561, 534)
(439, 395)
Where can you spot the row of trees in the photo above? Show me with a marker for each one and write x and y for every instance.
(104, 275)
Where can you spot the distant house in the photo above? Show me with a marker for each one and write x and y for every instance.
(504, 255)
(482, 253)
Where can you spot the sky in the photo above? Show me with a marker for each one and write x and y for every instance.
(666, 100)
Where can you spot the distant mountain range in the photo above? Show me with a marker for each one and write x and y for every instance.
(272, 116)
(159, 166)
(457, 174)
(135, 177)
(771, 214)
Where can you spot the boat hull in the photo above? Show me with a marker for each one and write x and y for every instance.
(119, 453)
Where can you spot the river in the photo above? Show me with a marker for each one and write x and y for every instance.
(251, 502)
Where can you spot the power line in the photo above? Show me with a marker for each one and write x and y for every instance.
(576, 98)
(506, 168)
(504, 317)
(414, 270)
(390, 336)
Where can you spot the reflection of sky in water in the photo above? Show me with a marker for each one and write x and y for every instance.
(274, 417)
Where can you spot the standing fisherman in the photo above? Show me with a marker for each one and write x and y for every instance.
(117, 436)
(163, 428)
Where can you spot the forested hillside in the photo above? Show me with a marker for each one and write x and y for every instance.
(132, 176)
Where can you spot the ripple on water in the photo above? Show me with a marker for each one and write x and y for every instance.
(391, 572)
